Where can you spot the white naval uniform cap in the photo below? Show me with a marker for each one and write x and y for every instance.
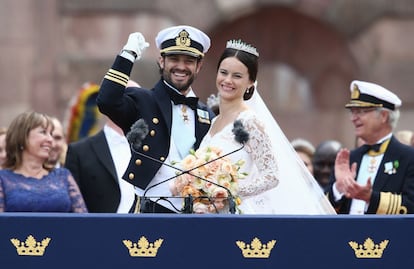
(367, 94)
(183, 39)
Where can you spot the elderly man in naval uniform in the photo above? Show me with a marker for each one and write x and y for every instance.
(378, 177)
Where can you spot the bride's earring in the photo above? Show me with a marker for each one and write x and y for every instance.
(247, 91)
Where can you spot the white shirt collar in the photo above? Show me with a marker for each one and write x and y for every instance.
(113, 136)
(388, 136)
(189, 94)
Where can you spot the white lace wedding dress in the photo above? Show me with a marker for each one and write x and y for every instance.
(277, 180)
(257, 155)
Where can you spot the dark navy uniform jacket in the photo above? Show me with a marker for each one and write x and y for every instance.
(125, 106)
(393, 190)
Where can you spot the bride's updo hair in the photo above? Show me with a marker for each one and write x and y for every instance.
(246, 54)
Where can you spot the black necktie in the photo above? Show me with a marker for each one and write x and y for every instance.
(374, 147)
(181, 99)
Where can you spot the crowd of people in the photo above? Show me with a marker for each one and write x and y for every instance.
(132, 165)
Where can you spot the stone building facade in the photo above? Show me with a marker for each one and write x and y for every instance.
(310, 50)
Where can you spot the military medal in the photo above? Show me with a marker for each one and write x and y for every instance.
(184, 114)
(372, 165)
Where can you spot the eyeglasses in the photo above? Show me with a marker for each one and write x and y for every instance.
(359, 112)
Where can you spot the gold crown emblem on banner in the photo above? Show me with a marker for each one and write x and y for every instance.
(143, 248)
(30, 247)
(369, 249)
(256, 249)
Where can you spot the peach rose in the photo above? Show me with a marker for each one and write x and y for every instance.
(219, 192)
(188, 162)
(190, 190)
(226, 168)
(200, 208)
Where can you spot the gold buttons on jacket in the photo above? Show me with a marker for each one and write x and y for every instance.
(131, 176)
(145, 148)
(162, 158)
(138, 162)
(155, 120)
(152, 133)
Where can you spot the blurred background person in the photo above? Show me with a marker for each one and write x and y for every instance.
(97, 163)
(305, 150)
(58, 152)
(324, 161)
(3, 132)
(26, 183)
(213, 103)
(404, 136)
(412, 141)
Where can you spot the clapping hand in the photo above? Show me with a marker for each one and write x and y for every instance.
(345, 178)
(344, 174)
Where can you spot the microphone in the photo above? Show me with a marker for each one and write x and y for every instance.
(139, 130)
(137, 134)
(240, 134)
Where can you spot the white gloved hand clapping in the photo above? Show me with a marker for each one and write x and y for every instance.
(136, 44)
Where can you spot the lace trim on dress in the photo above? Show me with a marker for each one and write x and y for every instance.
(55, 192)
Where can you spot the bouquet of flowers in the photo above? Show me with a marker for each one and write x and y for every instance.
(207, 173)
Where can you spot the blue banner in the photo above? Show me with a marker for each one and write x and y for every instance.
(204, 241)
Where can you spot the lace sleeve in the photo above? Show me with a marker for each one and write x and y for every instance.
(260, 149)
(78, 204)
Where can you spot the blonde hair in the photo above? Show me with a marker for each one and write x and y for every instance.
(62, 157)
(303, 145)
(3, 130)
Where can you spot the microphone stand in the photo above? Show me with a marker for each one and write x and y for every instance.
(144, 202)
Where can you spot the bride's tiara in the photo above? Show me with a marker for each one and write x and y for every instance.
(240, 45)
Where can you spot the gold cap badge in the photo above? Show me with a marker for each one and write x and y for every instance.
(355, 92)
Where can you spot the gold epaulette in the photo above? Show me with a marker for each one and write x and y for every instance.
(390, 203)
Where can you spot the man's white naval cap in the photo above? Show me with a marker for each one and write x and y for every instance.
(367, 94)
(182, 39)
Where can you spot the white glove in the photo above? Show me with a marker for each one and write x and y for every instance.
(136, 44)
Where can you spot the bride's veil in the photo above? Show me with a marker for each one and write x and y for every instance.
(297, 191)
